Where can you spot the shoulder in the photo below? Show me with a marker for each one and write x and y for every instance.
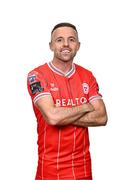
(83, 71)
(38, 70)
(38, 74)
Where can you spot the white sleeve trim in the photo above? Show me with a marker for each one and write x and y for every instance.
(41, 96)
(93, 98)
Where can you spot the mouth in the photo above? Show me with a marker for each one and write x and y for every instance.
(66, 51)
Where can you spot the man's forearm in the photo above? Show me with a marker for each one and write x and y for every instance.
(91, 119)
(65, 116)
(56, 115)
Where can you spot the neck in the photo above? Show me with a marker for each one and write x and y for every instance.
(62, 65)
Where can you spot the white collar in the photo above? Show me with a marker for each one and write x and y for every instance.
(58, 71)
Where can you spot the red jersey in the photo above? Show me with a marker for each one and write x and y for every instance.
(63, 150)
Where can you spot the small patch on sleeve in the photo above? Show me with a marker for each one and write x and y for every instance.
(36, 87)
(32, 78)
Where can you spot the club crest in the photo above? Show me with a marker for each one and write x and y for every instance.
(85, 88)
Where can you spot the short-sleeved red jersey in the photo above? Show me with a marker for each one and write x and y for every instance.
(63, 150)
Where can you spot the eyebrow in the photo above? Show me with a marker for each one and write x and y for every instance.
(68, 37)
(59, 37)
(73, 37)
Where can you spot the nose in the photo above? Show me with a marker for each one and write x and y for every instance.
(66, 42)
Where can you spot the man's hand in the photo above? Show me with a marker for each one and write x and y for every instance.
(98, 117)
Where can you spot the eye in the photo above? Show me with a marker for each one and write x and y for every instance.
(59, 40)
(72, 40)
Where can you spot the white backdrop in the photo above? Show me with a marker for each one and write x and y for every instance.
(25, 28)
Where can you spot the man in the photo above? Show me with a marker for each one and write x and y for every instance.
(66, 102)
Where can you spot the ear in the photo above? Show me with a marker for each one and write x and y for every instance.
(51, 46)
(78, 46)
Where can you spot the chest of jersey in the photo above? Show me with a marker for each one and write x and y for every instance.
(68, 92)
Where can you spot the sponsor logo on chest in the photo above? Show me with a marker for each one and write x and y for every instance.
(71, 102)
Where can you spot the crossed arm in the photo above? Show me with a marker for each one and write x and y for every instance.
(90, 114)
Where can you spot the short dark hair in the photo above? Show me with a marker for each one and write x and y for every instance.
(64, 24)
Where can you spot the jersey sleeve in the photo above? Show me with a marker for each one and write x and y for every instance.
(37, 85)
(94, 89)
